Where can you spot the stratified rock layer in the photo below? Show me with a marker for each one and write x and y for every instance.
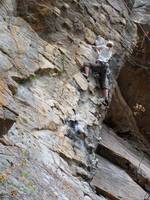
(114, 182)
(43, 45)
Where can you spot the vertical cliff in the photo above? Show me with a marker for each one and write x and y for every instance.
(43, 45)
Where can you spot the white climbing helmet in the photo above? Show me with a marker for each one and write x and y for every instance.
(110, 43)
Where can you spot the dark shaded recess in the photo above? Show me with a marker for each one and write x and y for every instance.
(114, 158)
(134, 81)
(134, 84)
(107, 195)
(7, 119)
(123, 134)
(5, 125)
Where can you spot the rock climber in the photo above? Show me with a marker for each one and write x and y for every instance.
(101, 67)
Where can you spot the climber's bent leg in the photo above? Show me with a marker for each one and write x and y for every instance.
(105, 92)
(87, 67)
(104, 82)
(105, 95)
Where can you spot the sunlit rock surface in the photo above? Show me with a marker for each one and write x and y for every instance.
(43, 45)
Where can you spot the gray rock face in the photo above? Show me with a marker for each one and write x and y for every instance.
(116, 183)
(141, 12)
(43, 46)
(123, 154)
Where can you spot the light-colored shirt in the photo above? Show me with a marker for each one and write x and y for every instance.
(104, 53)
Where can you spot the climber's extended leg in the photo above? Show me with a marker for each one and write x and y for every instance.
(105, 92)
(104, 82)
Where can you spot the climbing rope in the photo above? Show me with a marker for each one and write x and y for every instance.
(130, 11)
(136, 51)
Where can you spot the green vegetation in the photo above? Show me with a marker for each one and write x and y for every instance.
(25, 174)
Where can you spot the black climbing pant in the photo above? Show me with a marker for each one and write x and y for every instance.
(102, 70)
